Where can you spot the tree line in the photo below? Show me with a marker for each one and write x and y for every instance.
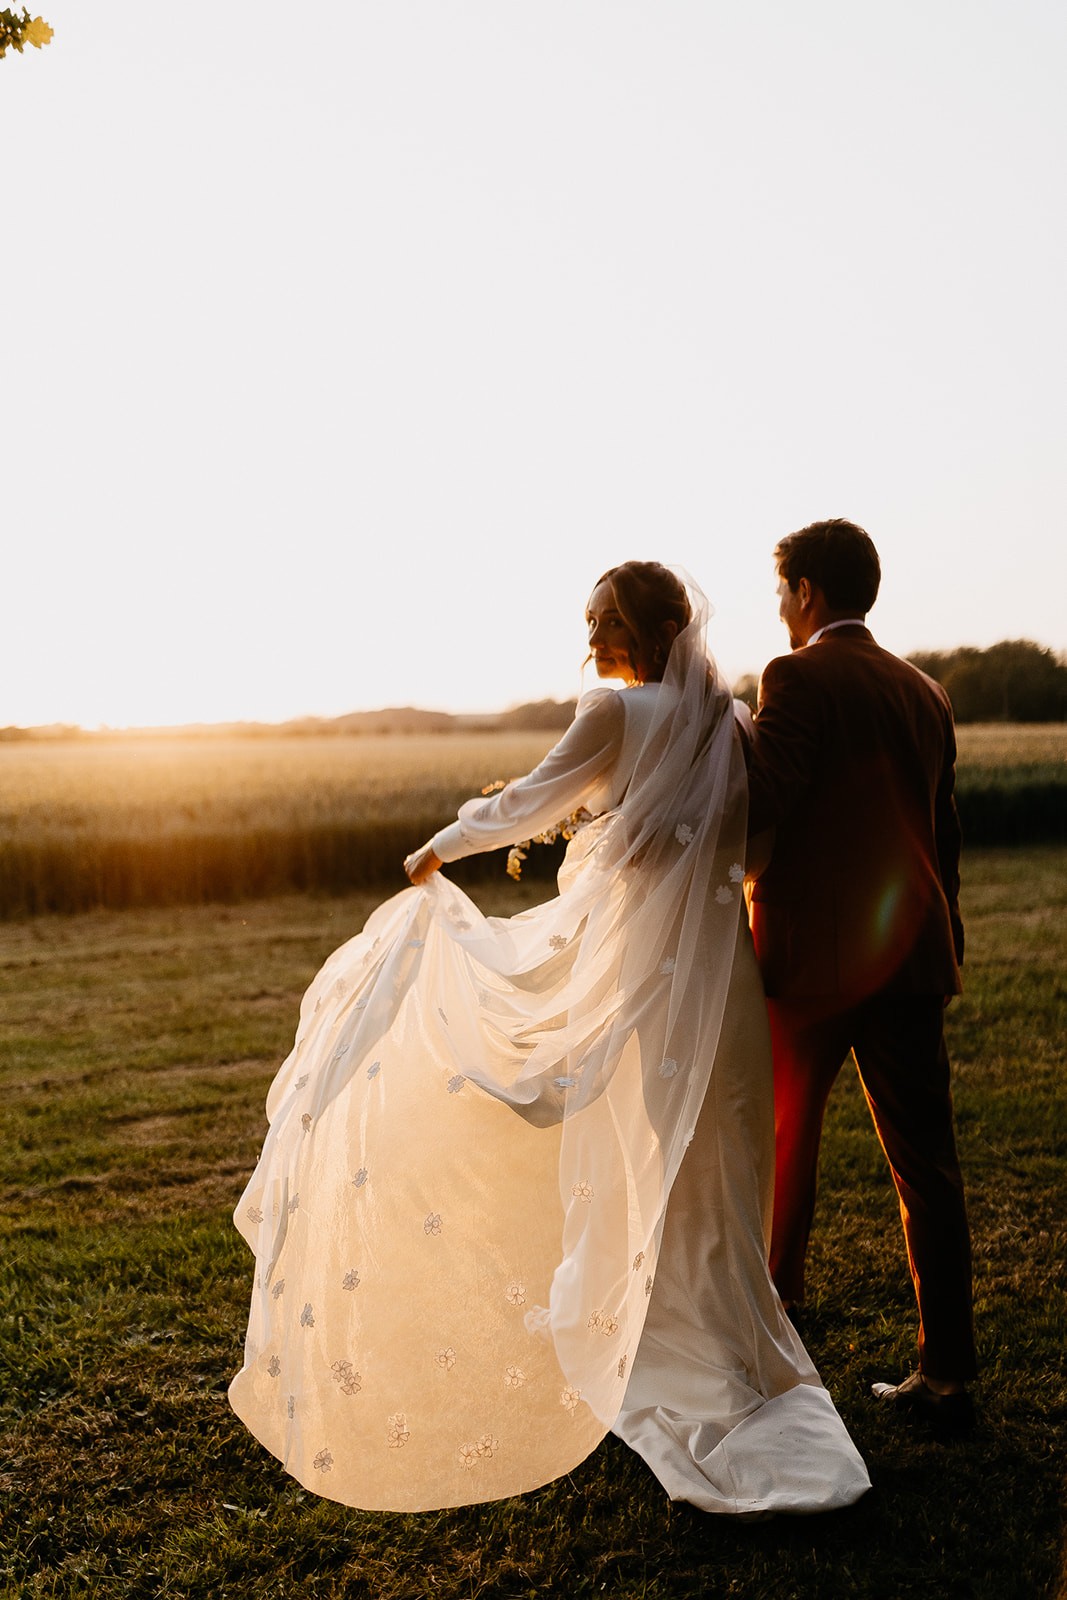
(1013, 681)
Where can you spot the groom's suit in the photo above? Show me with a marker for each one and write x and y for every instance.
(857, 930)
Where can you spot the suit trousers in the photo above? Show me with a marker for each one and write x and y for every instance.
(898, 1043)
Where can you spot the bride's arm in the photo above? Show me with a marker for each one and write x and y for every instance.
(572, 774)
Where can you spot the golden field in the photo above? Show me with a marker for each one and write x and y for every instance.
(175, 784)
(167, 819)
(1011, 744)
(166, 784)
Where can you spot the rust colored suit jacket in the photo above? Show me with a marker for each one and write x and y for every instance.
(853, 764)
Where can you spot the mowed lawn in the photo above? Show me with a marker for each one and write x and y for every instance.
(135, 1051)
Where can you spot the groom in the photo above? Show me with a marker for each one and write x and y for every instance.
(857, 931)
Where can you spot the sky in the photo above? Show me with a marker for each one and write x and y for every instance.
(344, 347)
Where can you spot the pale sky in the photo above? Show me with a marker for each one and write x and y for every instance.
(344, 346)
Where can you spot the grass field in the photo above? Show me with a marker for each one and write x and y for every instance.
(137, 1048)
(120, 822)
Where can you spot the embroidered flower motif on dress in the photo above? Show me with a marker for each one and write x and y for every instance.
(668, 1068)
(350, 1279)
(484, 997)
(446, 1359)
(301, 1082)
(737, 873)
(340, 1051)
(638, 1258)
(360, 1178)
(416, 944)
(667, 967)
(432, 1224)
(514, 1377)
(305, 1122)
(345, 1375)
(362, 1001)
(255, 1214)
(318, 1002)
(442, 1016)
(468, 1456)
(564, 1083)
(374, 1069)
(290, 1407)
(724, 895)
(274, 1367)
(621, 1368)
(558, 941)
(684, 833)
(323, 1461)
(582, 1190)
(456, 1082)
(340, 987)
(601, 1322)
(515, 1294)
(278, 1290)
(307, 1317)
(399, 1432)
(294, 1205)
(648, 1285)
(569, 1398)
(488, 1446)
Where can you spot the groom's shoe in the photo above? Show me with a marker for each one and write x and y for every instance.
(946, 1413)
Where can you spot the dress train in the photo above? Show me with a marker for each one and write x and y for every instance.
(453, 1305)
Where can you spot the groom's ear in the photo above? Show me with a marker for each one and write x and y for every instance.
(804, 592)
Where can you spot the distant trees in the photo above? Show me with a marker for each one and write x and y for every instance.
(1014, 681)
(747, 689)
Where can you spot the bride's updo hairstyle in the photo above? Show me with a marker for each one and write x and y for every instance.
(649, 598)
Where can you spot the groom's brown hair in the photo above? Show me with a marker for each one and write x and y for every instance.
(837, 557)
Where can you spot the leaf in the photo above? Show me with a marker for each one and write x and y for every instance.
(37, 32)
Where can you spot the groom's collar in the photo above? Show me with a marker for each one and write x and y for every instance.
(843, 622)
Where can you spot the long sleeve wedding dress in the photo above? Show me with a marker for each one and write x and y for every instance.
(516, 1186)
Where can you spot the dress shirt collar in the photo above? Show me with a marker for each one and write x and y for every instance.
(844, 622)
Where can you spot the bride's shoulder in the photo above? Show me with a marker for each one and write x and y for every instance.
(598, 718)
(602, 698)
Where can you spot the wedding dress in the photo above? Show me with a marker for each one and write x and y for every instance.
(467, 1269)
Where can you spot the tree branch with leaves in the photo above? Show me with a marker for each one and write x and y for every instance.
(16, 31)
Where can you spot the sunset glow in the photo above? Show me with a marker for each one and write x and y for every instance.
(353, 367)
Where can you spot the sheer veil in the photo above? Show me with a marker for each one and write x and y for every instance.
(459, 1205)
(619, 1046)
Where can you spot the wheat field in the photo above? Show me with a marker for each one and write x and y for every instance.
(171, 784)
(167, 819)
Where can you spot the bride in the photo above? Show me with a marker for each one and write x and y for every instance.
(516, 1187)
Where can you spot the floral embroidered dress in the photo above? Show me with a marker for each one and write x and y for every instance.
(467, 1270)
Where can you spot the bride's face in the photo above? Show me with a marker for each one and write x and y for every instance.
(611, 644)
